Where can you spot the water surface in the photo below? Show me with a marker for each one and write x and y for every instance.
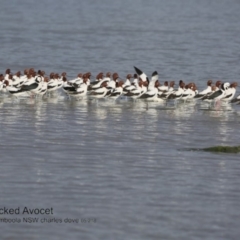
(122, 163)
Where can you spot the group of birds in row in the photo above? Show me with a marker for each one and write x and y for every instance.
(33, 83)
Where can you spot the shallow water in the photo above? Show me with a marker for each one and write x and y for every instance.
(124, 163)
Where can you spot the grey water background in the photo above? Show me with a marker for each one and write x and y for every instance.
(122, 163)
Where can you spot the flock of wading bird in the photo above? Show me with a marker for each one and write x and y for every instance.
(36, 84)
